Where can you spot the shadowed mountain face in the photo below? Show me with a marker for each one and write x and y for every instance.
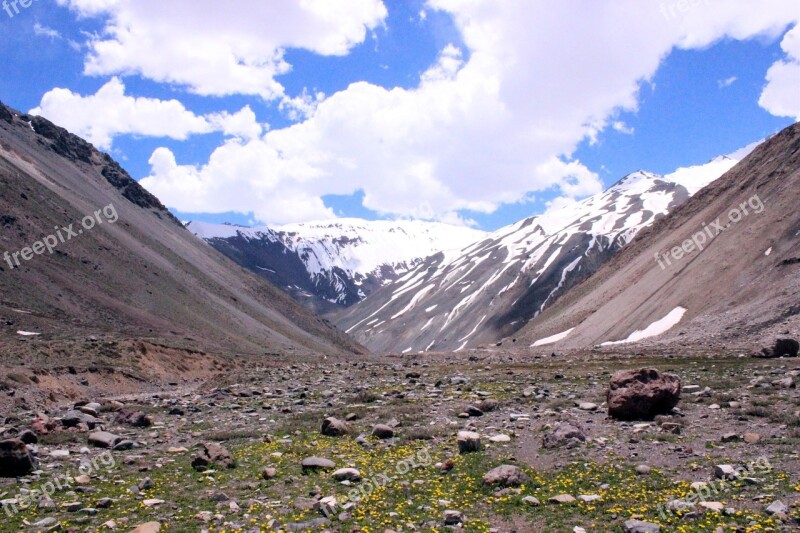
(89, 252)
(493, 288)
(721, 269)
(337, 263)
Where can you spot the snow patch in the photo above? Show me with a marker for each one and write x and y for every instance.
(655, 329)
(553, 339)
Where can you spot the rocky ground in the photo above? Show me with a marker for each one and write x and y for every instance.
(245, 450)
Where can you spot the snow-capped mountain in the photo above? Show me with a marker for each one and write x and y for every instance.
(492, 288)
(337, 261)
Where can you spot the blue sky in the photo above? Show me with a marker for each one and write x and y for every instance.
(481, 113)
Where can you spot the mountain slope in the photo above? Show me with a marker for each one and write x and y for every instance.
(494, 287)
(729, 287)
(337, 262)
(140, 275)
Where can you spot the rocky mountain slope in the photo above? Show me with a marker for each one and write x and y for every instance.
(91, 254)
(334, 263)
(491, 289)
(723, 268)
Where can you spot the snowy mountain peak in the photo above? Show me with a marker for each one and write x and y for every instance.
(340, 260)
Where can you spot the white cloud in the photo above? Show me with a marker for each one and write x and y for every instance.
(110, 112)
(488, 124)
(727, 82)
(44, 31)
(621, 127)
(781, 95)
(221, 49)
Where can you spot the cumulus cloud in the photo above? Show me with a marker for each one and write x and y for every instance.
(498, 116)
(110, 112)
(780, 96)
(100, 117)
(217, 49)
(485, 126)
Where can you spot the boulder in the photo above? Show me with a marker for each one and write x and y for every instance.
(781, 348)
(213, 455)
(317, 463)
(149, 527)
(468, 442)
(564, 434)
(74, 418)
(506, 476)
(347, 474)
(333, 427)
(135, 419)
(15, 459)
(642, 394)
(104, 439)
(383, 432)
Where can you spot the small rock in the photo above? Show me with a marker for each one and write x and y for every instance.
(562, 498)
(643, 470)
(637, 526)
(317, 463)
(383, 432)
(452, 518)
(347, 474)
(468, 442)
(104, 439)
(333, 427)
(506, 476)
(777, 508)
(725, 472)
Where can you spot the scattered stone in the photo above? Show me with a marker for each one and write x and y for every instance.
(317, 463)
(488, 405)
(468, 442)
(777, 508)
(564, 434)
(587, 406)
(471, 410)
(506, 476)
(104, 439)
(149, 527)
(530, 500)
(347, 474)
(725, 472)
(730, 437)
(589, 498)
(333, 427)
(383, 432)
(152, 502)
(15, 459)
(637, 526)
(135, 419)
(269, 473)
(562, 498)
(642, 394)
(752, 438)
(452, 518)
(213, 454)
(309, 525)
(500, 438)
(781, 348)
(717, 507)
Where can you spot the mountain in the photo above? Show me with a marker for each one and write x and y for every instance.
(91, 254)
(492, 288)
(336, 262)
(722, 270)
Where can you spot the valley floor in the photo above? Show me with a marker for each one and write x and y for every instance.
(270, 418)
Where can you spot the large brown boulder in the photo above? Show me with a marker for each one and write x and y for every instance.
(212, 455)
(642, 394)
(15, 459)
(506, 476)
